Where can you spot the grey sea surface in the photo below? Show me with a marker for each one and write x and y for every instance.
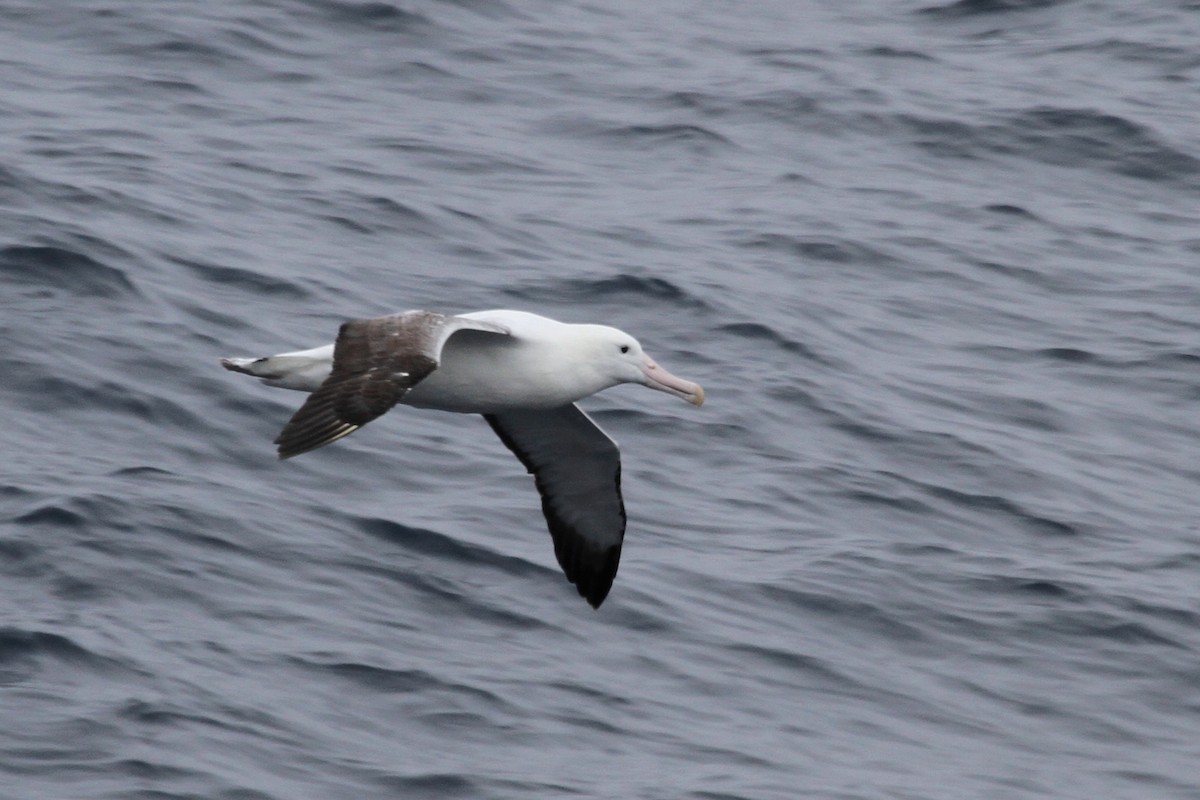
(935, 533)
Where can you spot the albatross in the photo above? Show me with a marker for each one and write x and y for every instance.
(522, 372)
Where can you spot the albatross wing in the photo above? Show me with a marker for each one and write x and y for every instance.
(375, 363)
(577, 469)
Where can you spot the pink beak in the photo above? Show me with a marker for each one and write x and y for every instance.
(659, 378)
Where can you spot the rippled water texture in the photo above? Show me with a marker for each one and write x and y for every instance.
(934, 534)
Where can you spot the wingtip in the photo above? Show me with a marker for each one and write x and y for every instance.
(293, 443)
(285, 450)
(593, 573)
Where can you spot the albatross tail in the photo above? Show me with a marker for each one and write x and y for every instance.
(303, 370)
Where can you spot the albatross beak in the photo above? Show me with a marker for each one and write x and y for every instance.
(659, 378)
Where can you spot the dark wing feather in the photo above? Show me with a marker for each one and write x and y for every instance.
(577, 470)
(375, 363)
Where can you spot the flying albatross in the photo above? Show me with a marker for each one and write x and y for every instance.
(522, 372)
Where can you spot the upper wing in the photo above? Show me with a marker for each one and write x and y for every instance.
(577, 469)
(375, 362)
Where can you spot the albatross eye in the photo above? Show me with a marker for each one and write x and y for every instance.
(624, 348)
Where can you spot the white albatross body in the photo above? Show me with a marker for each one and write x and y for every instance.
(523, 372)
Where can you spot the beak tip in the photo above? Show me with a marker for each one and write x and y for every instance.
(698, 398)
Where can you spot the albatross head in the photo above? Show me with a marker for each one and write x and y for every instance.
(620, 355)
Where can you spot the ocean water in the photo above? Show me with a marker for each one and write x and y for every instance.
(934, 534)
